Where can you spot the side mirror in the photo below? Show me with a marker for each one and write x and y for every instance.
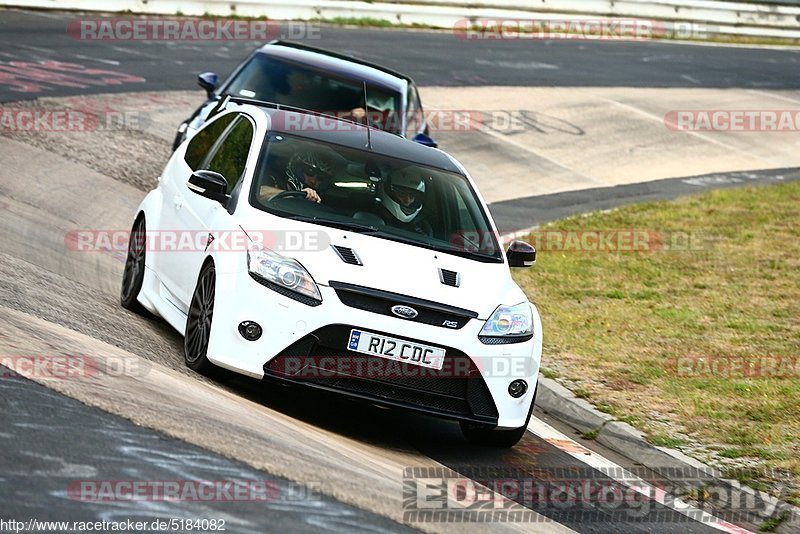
(521, 254)
(208, 81)
(424, 140)
(211, 185)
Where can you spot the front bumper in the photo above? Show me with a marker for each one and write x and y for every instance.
(457, 391)
(291, 328)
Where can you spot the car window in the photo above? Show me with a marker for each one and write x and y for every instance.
(376, 194)
(291, 84)
(230, 155)
(413, 113)
(204, 140)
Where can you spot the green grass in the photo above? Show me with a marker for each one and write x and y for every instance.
(774, 522)
(549, 373)
(590, 435)
(662, 440)
(620, 327)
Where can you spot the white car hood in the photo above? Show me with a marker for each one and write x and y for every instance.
(404, 269)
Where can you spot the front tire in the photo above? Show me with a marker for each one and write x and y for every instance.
(489, 437)
(133, 274)
(198, 322)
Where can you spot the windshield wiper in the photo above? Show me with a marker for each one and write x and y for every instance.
(344, 225)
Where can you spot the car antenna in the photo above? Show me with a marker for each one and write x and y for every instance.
(366, 116)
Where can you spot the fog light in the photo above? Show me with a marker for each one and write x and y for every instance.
(517, 388)
(250, 330)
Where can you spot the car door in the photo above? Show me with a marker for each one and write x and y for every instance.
(222, 146)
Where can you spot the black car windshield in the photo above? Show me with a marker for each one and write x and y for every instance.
(289, 84)
(364, 192)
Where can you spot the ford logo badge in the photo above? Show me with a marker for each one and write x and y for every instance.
(406, 312)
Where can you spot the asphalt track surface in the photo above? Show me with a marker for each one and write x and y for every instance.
(35, 477)
(35, 37)
(432, 58)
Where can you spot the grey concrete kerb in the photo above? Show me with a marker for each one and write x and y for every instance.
(561, 404)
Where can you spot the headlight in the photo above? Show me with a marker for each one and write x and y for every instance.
(509, 323)
(286, 275)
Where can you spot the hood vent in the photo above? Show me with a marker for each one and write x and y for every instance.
(449, 278)
(348, 255)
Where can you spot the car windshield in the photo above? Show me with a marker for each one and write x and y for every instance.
(289, 84)
(377, 195)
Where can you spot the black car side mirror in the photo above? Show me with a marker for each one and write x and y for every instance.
(211, 185)
(208, 81)
(425, 140)
(521, 254)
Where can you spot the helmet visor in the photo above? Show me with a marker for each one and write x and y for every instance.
(309, 170)
(409, 199)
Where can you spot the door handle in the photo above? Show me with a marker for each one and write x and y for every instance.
(178, 199)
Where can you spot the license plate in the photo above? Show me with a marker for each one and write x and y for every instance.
(396, 349)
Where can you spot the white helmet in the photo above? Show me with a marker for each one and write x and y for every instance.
(402, 193)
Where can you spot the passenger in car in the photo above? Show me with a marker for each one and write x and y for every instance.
(402, 195)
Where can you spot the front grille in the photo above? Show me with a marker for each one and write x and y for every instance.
(449, 278)
(496, 340)
(308, 301)
(322, 360)
(348, 255)
(382, 302)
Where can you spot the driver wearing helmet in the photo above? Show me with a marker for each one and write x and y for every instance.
(309, 171)
(402, 195)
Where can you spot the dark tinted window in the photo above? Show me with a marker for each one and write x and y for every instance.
(282, 82)
(414, 114)
(230, 157)
(204, 140)
(378, 195)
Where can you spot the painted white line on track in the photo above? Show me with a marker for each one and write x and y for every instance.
(772, 95)
(706, 138)
(27, 47)
(619, 474)
(99, 60)
(488, 131)
(134, 52)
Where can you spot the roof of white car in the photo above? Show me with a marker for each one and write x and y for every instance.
(328, 129)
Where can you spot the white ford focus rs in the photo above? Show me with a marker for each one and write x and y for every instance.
(297, 248)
